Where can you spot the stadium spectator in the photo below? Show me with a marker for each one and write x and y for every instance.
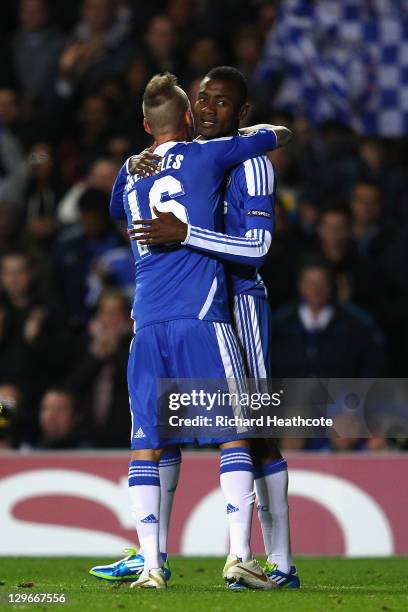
(203, 55)
(36, 47)
(101, 176)
(99, 46)
(376, 162)
(33, 345)
(161, 45)
(100, 372)
(42, 195)
(371, 232)
(353, 276)
(318, 337)
(13, 168)
(91, 132)
(10, 226)
(59, 421)
(283, 256)
(11, 415)
(247, 49)
(79, 249)
(14, 118)
(183, 16)
(288, 172)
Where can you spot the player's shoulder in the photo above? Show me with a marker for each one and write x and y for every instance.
(209, 146)
(256, 175)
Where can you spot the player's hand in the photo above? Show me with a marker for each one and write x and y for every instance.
(166, 228)
(145, 164)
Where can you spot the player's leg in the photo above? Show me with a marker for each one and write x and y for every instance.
(169, 471)
(271, 486)
(144, 492)
(237, 483)
(252, 320)
(144, 367)
(210, 350)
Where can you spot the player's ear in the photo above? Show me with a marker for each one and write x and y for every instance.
(146, 126)
(243, 111)
(188, 118)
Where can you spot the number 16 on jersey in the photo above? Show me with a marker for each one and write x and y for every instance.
(162, 196)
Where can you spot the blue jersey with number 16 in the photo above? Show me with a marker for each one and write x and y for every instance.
(174, 282)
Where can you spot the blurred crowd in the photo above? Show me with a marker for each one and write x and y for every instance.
(72, 76)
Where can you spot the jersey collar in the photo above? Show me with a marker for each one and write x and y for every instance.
(164, 147)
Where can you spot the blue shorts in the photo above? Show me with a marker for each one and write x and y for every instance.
(180, 349)
(252, 318)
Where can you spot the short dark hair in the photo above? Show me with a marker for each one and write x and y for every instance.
(231, 74)
(68, 391)
(368, 181)
(312, 261)
(17, 252)
(336, 208)
(115, 294)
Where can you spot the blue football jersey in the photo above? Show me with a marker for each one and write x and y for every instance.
(249, 204)
(174, 282)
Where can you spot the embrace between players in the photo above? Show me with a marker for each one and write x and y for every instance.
(182, 313)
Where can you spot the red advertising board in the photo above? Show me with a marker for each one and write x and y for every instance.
(69, 503)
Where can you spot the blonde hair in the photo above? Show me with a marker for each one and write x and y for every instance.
(164, 103)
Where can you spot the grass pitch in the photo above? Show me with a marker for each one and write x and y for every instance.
(327, 584)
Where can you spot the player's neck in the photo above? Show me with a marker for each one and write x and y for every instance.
(179, 136)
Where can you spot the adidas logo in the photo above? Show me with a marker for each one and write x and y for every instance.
(263, 508)
(140, 433)
(149, 519)
(231, 508)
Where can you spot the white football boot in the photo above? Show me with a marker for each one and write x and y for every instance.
(246, 573)
(150, 579)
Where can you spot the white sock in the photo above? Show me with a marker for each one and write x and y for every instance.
(273, 511)
(144, 490)
(264, 513)
(237, 484)
(169, 470)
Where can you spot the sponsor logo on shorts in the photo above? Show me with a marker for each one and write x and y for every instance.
(140, 433)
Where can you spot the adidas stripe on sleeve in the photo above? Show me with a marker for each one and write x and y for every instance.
(250, 249)
(254, 188)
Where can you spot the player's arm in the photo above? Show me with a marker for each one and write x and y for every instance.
(229, 151)
(147, 163)
(256, 183)
(251, 248)
(283, 134)
(116, 208)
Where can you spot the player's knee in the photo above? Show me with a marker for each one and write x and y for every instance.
(236, 444)
(146, 454)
